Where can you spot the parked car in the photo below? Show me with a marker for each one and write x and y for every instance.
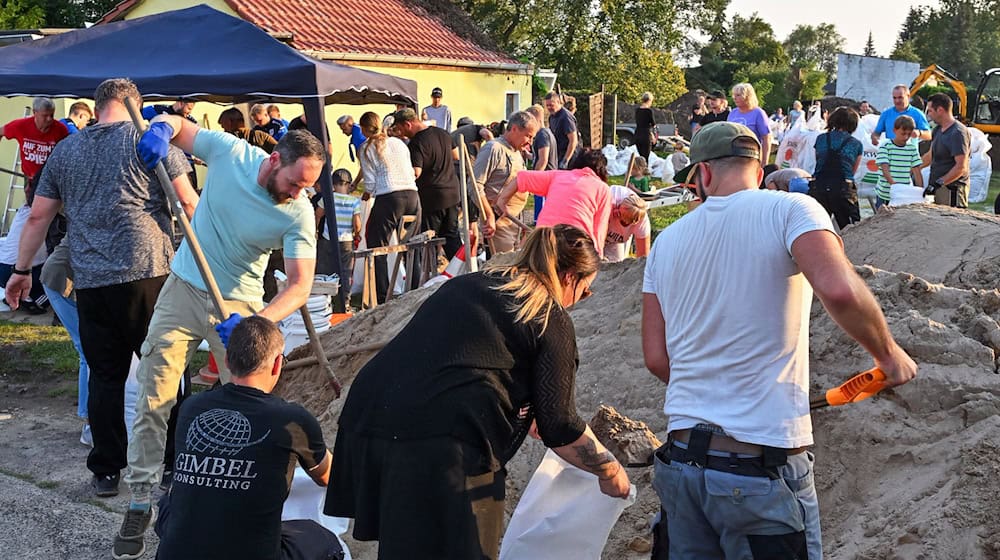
(626, 135)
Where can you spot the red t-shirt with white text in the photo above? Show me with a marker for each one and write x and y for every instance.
(35, 144)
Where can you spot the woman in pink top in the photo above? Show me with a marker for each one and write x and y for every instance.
(578, 196)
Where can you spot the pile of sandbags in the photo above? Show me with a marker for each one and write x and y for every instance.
(659, 168)
(797, 147)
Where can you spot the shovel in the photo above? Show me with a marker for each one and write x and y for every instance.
(855, 389)
(199, 256)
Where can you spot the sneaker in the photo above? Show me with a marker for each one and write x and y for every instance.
(130, 541)
(86, 437)
(105, 485)
(166, 479)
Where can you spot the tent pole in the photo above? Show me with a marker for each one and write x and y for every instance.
(315, 120)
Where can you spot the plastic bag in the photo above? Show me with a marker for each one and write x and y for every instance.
(980, 169)
(866, 177)
(562, 515)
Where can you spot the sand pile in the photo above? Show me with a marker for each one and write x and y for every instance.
(911, 473)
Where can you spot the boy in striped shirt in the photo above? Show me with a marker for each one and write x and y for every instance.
(899, 161)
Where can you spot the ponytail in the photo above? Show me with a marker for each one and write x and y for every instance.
(371, 126)
(547, 254)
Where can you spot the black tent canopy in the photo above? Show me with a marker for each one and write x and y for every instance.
(198, 53)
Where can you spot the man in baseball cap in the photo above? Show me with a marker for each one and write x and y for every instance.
(734, 280)
(718, 109)
(440, 114)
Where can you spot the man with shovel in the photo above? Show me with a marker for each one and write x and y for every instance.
(120, 241)
(725, 323)
(251, 204)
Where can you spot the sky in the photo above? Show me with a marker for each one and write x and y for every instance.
(852, 18)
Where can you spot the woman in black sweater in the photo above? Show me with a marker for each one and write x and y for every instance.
(644, 124)
(432, 419)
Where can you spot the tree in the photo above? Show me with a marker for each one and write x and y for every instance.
(624, 45)
(870, 46)
(19, 14)
(815, 47)
(72, 13)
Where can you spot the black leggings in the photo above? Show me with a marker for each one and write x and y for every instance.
(385, 219)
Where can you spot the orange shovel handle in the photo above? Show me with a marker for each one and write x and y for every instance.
(857, 388)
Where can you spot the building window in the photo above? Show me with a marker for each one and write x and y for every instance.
(513, 103)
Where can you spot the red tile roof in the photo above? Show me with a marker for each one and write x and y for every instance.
(387, 28)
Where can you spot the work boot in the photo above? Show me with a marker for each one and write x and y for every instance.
(105, 485)
(130, 541)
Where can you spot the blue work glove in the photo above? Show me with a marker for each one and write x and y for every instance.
(153, 145)
(225, 328)
(149, 112)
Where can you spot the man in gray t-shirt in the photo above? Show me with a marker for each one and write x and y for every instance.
(120, 249)
(948, 156)
(440, 114)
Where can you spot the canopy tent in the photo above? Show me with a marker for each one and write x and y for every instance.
(195, 52)
(198, 53)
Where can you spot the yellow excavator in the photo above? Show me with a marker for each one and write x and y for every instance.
(980, 110)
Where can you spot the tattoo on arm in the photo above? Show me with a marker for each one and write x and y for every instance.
(597, 463)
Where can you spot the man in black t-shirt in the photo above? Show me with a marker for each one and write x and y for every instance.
(562, 123)
(237, 447)
(433, 156)
(719, 110)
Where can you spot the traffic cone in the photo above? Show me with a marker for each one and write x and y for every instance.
(209, 374)
(454, 268)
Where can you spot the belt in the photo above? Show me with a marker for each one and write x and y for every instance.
(722, 442)
(764, 462)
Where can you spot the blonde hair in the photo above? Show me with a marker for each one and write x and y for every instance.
(371, 126)
(534, 278)
(646, 98)
(633, 207)
(536, 111)
(640, 168)
(747, 91)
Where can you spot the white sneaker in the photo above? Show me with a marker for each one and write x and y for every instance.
(86, 437)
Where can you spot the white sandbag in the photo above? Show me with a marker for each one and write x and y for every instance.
(866, 177)
(978, 142)
(980, 169)
(562, 515)
(902, 194)
(305, 501)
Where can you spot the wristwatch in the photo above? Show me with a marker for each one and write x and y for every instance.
(15, 270)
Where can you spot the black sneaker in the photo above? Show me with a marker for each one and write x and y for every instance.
(166, 479)
(105, 485)
(130, 541)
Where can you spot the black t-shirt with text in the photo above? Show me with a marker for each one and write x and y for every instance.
(430, 150)
(236, 452)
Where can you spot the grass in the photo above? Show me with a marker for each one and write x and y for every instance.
(33, 347)
(994, 190)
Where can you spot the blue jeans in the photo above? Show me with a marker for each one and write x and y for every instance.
(539, 202)
(65, 309)
(713, 514)
(880, 203)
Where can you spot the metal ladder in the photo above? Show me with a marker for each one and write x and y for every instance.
(17, 183)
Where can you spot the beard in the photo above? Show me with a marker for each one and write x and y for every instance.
(272, 189)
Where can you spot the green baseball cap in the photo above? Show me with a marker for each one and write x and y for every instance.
(718, 140)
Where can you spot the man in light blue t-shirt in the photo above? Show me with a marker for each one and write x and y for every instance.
(252, 204)
(901, 106)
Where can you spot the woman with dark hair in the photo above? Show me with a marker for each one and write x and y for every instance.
(578, 196)
(433, 418)
(838, 155)
(388, 175)
(645, 125)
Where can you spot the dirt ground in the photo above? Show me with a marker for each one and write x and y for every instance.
(909, 474)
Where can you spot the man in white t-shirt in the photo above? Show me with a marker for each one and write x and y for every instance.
(726, 300)
(628, 220)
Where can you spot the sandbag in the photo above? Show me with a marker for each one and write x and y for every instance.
(797, 148)
(980, 165)
(562, 515)
(867, 174)
(305, 501)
